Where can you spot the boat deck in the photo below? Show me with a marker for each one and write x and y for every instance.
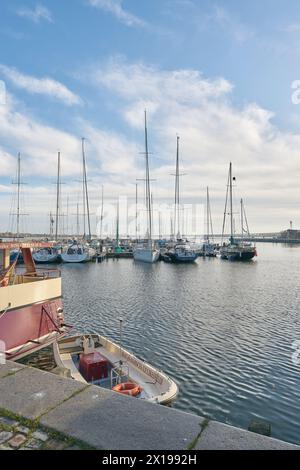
(71, 362)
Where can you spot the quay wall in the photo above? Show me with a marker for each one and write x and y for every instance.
(107, 420)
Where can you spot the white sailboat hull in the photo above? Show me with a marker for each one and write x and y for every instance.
(75, 258)
(146, 255)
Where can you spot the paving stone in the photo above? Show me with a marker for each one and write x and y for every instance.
(4, 436)
(33, 444)
(31, 392)
(8, 421)
(17, 441)
(108, 420)
(218, 436)
(42, 436)
(53, 444)
(10, 368)
(22, 429)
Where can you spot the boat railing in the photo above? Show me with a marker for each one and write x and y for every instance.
(37, 275)
(118, 374)
(142, 365)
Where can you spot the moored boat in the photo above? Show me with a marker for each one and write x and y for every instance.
(181, 253)
(209, 249)
(77, 253)
(31, 310)
(147, 253)
(94, 359)
(46, 256)
(236, 249)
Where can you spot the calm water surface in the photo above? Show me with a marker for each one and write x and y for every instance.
(222, 330)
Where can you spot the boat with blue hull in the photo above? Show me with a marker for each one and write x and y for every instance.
(46, 256)
(181, 253)
(147, 252)
(236, 249)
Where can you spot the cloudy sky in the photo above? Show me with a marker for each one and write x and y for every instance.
(217, 73)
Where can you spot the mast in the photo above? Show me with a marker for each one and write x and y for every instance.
(242, 218)
(57, 195)
(101, 219)
(225, 208)
(176, 214)
(148, 192)
(77, 220)
(159, 226)
(85, 192)
(51, 225)
(136, 211)
(207, 213)
(117, 228)
(67, 216)
(231, 211)
(18, 196)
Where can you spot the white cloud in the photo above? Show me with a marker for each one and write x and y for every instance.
(115, 155)
(110, 160)
(292, 28)
(37, 142)
(115, 7)
(213, 132)
(132, 81)
(212, 128)
(7, 167)
(42, 86)
(36, 14)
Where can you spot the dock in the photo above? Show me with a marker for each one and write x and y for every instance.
(122, 254)
(42, 410)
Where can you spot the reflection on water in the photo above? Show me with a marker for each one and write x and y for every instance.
(223, 330)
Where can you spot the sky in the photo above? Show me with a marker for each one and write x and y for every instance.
(220, 74)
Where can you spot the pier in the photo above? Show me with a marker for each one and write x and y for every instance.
(42, 410)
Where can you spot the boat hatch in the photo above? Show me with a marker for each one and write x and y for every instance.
(93, 366)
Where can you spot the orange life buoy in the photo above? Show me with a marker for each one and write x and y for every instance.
(128, 388)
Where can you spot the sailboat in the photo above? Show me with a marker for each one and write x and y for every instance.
(16, 255)
(76, 253)
(235, 250)
(51, 254)
(181, 251)
(147, 252)
(81, 252)
(208, 247)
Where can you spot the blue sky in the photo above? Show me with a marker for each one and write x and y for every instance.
(217, 73)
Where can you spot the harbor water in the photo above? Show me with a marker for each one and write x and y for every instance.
(223, 330)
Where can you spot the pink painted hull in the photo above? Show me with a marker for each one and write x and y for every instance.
(38, 322)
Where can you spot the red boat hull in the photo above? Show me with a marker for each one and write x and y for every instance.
(26, 329)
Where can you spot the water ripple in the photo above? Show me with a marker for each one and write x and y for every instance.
(222, 330)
